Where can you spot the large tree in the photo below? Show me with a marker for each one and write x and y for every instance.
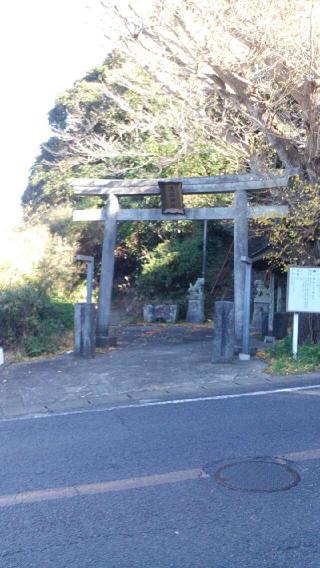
(246, 73)
(247, 70)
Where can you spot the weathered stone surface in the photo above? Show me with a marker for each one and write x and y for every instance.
(223, 333)
(107, 269)
(195, 312)
(160, 312)
(85, 329)
(264, 324)
(262, 300)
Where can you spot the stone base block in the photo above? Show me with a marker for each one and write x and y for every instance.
(160, 312)
(84, 329)
(244, 357)
(195, 313)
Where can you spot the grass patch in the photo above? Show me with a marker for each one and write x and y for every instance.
(281, 361)
(18, 355)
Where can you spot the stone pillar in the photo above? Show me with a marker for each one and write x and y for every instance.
(223, 332)
(84, 329)
(240, 249)
(107, 269)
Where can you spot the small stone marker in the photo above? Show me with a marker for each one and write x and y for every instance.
(195, 313)
(223, 332)
(85, 316)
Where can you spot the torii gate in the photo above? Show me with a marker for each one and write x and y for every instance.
(239, 213)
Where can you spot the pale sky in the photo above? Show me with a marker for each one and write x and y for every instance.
(45, 46)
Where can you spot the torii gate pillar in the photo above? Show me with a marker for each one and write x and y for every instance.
(240, 249)
(107, 269)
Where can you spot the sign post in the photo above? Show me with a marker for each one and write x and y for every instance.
(303, 296)
(295, 334)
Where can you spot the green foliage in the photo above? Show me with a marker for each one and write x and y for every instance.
(295, 239)
(281, 348)
(169, 267)
(203, 160)
(38, 274)
(282, 361)
(30, 320)
(48, 185)
(64, 312)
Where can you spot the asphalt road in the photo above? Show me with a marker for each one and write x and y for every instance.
(177, 507)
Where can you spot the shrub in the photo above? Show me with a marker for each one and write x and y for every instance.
(282, 361)
(169, 267)
(31, 320)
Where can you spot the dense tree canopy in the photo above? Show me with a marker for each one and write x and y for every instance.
(105, 126)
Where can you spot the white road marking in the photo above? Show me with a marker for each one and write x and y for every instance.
(312, 393)
(305, 455)
(114, 486)
(147, 403)
(117, 485)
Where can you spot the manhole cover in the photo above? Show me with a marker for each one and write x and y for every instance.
(259, 475)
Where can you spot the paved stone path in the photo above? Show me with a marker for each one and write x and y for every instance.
(151, 362)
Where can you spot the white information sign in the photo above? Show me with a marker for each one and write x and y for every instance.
(303, 290)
